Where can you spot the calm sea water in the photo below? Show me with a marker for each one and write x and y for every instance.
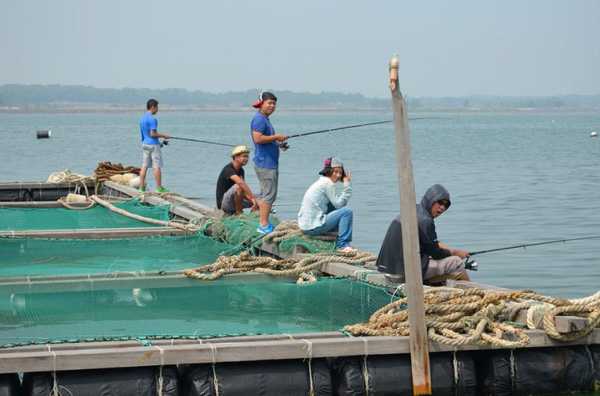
(514, 178)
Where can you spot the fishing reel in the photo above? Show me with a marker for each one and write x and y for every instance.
(284, 146)
(471, 264)
(164, 143)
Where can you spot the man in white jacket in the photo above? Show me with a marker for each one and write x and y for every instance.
(323, 210)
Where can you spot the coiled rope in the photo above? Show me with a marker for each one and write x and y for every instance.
(289, 229)
(300, 266)
(476, 316)
(106, 169)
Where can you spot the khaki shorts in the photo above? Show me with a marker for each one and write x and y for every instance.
(152, 156)
(268, 180)
(446, 268)
(228, 202)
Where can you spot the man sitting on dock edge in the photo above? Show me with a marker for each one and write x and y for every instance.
(233, 194)
(439, 262)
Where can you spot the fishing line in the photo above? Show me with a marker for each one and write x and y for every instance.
(474, 266)
(534, 244)
(355, 126)
(296, 135)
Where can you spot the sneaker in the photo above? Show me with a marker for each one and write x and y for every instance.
(266, 229)
(161, 189)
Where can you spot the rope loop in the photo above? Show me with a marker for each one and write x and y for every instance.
(309, 354)
(482, 317)
(160, 382)
(213, 354)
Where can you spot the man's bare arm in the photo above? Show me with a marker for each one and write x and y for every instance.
(244, 186)
(155, 134)
(455, 252)
(260, 138)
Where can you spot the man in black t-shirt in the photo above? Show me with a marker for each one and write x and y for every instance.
(233, 194)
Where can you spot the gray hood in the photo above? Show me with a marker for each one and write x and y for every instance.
(434, 194)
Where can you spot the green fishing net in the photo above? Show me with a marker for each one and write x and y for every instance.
(186, 308)
(240, 231)
(50, 257)
(311, 245)
(96, 217)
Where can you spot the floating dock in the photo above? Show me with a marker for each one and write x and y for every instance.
(287, 360)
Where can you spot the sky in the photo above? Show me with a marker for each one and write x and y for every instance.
(446, 48)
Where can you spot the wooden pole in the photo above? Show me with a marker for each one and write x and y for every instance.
(419, 351)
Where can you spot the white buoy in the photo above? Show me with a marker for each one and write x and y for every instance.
(594, 134)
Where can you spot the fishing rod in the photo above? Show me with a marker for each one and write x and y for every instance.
(165, 142)
(533, 244)
(473, 265)
(353, 126)
(338, 128)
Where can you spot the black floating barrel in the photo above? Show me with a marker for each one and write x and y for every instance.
(44, 134)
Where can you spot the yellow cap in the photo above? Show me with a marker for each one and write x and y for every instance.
(237, 150)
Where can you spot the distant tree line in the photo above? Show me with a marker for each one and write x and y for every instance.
(66, 95)
(61, 94)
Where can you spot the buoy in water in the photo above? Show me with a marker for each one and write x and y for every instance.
(594, 134)
(44, 134)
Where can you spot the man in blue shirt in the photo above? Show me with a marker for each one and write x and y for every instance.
(266, 157)
(152, 157)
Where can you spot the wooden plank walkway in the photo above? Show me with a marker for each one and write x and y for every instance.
(102, 355)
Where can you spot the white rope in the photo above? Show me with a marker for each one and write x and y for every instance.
(513, 370)
(535, 315)
(159, 386)
(365, 368)
(361, 274)
(310, 376)
(594, 298)
(213, 350)
(54, 391)
(309, 354)
(456, 372)
(398, 288)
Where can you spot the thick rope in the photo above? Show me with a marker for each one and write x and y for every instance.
(106, 169)
(89, 204)
(148, 220)
(299, 266)
(78, 180)
(67, 176)
(458, 317)
(289, 229)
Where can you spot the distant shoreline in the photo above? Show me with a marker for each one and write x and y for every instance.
(282, 109)
(19, 98)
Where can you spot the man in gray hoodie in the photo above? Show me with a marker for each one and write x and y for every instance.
(438, 261)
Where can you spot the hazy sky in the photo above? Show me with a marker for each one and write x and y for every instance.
(446, 48)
